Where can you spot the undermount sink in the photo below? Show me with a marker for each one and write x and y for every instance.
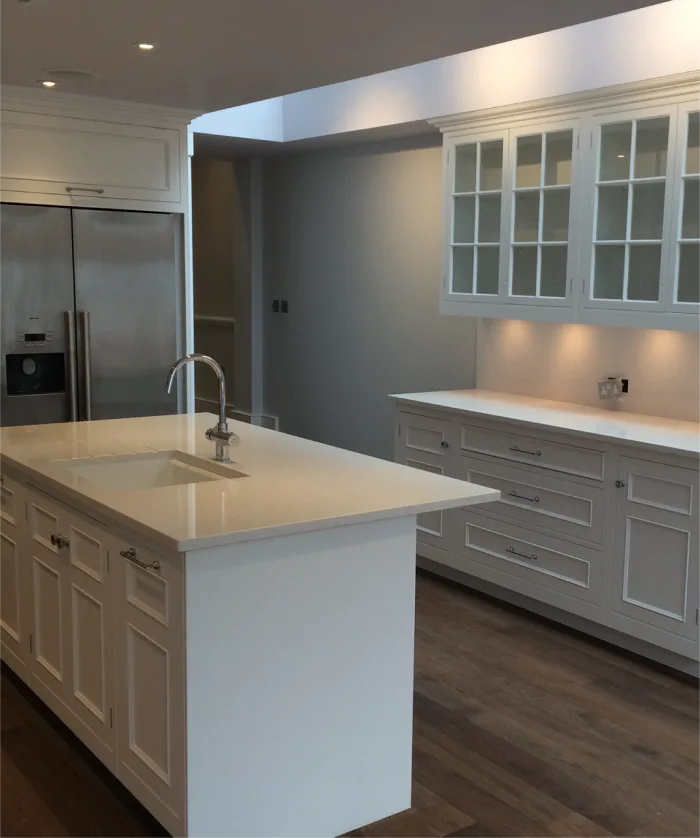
(151, 470)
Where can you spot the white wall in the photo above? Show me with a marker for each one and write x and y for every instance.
(654, 41)
(352, 241)
(564, 362)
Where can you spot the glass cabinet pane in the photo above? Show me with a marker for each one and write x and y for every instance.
(524, 271)
(690, 225)
(609, 272)
(465, 168)
(558, 155)
(692, 155)
(612, 213)
(689, 274)
(491, 170)
(644, 272)
(647, 210)
(527, 216)
(463, 270)
(555, 216)
(528, 171)
(489, 218)
(615, 148)
(487, 270)
(464, 218)
(553, 271)
(651, 147)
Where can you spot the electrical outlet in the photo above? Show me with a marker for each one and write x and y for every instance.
(610, 388)
(284, 307)
(275, 306)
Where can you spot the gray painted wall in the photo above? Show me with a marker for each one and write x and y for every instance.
(352, 241)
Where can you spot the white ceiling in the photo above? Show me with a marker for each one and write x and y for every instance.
(221, 53)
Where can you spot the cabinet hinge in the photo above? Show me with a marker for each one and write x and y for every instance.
(111, 719)
(448, 156)
(31, 645)
(399, 431)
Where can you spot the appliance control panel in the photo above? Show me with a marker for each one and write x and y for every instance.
(34, 338)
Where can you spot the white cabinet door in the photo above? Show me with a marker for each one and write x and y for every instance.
(654, 592)
(149, 630)
(92, 697)
(15, 595)
(429, 444)
(72, 664)
(79, 158)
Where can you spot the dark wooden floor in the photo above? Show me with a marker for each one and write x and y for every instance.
(520, 729)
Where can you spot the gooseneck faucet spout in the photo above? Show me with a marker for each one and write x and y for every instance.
(220, 434)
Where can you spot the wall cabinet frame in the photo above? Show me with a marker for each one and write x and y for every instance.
(598, 209)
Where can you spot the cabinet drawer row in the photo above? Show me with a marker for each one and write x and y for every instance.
(431, 440)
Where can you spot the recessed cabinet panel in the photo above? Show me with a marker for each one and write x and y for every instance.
(87, 554)
(654, 585)
(43, 523)
(147, 666)
(9, 587)
(89, 657)
(656, 567)
(48, 619)
(8, 504)
(147, 592)
(430, 522)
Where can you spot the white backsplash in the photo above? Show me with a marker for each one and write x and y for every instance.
(564, 362)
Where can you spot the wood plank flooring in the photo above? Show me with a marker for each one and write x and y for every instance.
(521, 729)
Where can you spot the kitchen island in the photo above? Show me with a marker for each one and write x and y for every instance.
(234, 642)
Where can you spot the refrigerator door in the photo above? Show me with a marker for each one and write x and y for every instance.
(127, 282)
(36, 305)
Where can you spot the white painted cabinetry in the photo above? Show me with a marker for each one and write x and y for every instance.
(654, 591)
(583, 209)
(15, 594)
(602, 530)
(72, 641)
(150, 660)
(79, 158)
(95, 626)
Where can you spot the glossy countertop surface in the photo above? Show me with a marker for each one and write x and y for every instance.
(292, 484)
(654, 432)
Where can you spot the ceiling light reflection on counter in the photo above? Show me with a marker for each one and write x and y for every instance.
(47, 83)
(145, 46)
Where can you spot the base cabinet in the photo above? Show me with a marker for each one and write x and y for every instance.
(95, 626)
(149, 632)
(654, 591)
(604, 531)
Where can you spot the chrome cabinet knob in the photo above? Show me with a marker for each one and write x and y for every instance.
(619, 484)
(444, 444)
(60, 541)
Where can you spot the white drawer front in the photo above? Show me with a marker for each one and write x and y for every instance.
(557, 456)
(10, 501)
(537, 499)
(533, 562)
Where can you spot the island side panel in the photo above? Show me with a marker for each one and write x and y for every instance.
(300, 681)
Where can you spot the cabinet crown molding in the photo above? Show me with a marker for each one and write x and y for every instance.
(28, 100)
(647, 91)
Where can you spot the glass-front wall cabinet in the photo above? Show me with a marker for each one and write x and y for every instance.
(509, 216)
(590, 218)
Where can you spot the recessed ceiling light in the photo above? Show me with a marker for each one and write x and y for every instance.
(145, 46)
(47, 83)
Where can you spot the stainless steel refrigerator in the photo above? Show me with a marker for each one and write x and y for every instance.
(90, 313)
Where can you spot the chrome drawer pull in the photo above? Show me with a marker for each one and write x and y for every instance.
(130, 554)
(512, 550)
(444, 444)
(60, 541)
(70, 189)
(523, 497)
(525, 451)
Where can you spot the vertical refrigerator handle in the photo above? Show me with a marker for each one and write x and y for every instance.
(72, 370)
(87, 365)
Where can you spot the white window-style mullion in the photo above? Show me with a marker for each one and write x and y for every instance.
(630, 201)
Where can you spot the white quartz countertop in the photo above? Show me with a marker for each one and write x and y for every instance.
(292, 485)
(634, 428)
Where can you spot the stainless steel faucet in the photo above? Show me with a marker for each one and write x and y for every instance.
(219, 434)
